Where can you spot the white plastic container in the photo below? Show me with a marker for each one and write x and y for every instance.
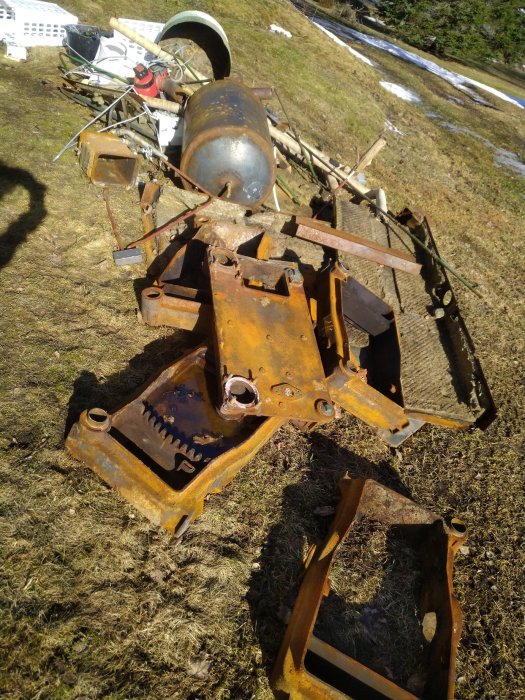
(148, 29)
(33, 22)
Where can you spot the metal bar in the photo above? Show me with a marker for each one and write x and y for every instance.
(316, 232)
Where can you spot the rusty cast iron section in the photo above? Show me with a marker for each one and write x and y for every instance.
(168, 448)
(266, 347)
(303, 658)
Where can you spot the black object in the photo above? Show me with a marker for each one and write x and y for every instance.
(84, 40)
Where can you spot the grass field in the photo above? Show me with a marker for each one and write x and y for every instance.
(98, 603)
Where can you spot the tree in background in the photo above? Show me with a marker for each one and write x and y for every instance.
(469, 28)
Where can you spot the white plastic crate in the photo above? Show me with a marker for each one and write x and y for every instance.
(33, 22)
(148, 29)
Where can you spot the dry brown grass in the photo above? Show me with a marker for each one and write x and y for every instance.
(96, 602)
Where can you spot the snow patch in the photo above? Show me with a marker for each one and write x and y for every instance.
(400, 91)
(459, 81)
(393, 128)
(279, 30)
(339, 41)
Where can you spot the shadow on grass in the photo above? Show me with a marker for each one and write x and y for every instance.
(357, 629)
(17, 232)
(110, 393)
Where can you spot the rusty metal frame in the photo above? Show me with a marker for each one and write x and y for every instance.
(344, 677)
(265, 343)
(167, 448)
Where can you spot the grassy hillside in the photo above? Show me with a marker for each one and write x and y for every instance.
(98, 603)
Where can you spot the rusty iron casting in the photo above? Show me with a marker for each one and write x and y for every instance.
(266, 347)
(177, 307)
(317, 232)
(168, 448)
(308, 668)
(107, 160)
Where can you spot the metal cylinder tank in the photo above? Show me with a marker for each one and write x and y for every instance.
(226, 145)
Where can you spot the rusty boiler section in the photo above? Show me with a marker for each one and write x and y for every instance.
(226, 144)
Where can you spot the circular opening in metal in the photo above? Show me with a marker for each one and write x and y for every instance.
(458, 527)
(241, 391)
(223, 259)
(153, 293)
(447, 298)
(98, 419)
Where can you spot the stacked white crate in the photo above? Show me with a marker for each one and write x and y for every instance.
(33, 22)
(148, 29)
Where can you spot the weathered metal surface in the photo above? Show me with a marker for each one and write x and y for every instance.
(226, 143)
(107, 160)
(429, 357)
(308, 668)
(266, 347)
(317, 232)
(173, 306)
(350, 391)
(168, 448)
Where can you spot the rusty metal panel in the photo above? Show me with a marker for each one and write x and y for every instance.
(107, 160)
(317, 232)
(166, 449)
(266, 347)
(308, 668)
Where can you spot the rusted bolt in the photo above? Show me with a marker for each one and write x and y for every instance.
(324, 408)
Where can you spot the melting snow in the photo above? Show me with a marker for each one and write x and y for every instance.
(502, 158)
(459, 81)
(400, 91)
(342, 43)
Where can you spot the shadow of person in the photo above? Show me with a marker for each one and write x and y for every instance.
(305, 506)
(89, 392)
(17, 232)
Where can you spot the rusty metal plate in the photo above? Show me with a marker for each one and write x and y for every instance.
(266, 347)
(308, 668)
(168, 448)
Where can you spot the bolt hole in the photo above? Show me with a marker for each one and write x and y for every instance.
(241, 391)
(458, 527)
(98, 419)
(153, 293)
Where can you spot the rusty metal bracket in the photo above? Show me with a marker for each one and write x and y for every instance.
(168, 448)
(266, 347)
(177, 307)
(308, 668)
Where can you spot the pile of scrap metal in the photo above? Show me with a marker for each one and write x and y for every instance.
(298, 320)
